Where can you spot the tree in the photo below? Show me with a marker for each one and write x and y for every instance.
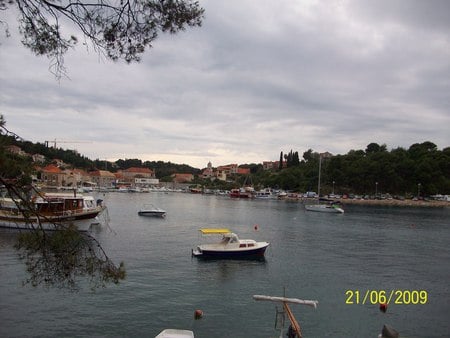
(308, 155)
(55, 258)
(119, 30)
(375, 148)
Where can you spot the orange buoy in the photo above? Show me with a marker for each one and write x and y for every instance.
(198, 314)
(383, 307)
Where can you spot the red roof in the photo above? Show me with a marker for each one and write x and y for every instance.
(138, 170)
(51, 168)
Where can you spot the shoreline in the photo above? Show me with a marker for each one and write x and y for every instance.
(393, 202)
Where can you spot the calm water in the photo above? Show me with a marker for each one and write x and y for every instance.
(312, 255)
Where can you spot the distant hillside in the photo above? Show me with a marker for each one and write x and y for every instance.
(76, 160)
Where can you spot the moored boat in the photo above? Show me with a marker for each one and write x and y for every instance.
(240, 193)
(150, 210)
(330, 208)
(230, 246)
(175, 333)
(51, 210)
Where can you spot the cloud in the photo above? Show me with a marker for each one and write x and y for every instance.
(256, 79)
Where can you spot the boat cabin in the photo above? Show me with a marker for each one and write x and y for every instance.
(58, 205)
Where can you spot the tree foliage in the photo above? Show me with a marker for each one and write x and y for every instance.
(61, 258)
(118, 29)
(397, 172)
(56, 258)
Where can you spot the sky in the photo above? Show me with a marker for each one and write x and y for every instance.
(258, 78)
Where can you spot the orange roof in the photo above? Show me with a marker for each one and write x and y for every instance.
(138, 170)
(51, 168)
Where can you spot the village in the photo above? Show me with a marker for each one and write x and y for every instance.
(60, 175)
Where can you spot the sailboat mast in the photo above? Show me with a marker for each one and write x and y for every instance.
(320, 170)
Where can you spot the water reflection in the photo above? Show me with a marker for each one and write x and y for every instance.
(230, 268)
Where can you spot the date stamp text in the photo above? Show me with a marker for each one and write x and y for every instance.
(403, 297)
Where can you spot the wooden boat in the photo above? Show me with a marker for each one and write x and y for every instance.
(230, 246)
(51, 210)
(150, 210)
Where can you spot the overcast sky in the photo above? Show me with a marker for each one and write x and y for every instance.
(258, 77)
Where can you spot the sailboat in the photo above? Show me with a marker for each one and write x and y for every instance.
(329, 206)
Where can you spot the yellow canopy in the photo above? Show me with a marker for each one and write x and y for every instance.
(214, 231)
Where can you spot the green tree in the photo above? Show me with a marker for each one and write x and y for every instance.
(307, 155)
(117, 29)
(375, 148)
(56, 258)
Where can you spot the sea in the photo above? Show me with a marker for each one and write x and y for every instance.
(349, 263)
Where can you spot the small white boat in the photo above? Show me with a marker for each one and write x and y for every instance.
(175, 333)
(150, 210)
(230, 246)
(331, 208)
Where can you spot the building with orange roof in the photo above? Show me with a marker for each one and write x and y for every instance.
(52, 176)
(75, 177)
(103, 178)
(137, 172)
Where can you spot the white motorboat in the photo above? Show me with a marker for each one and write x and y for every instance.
(331, 208)
(50, 210)
(230, 246)
(175, 333)
(150, 210)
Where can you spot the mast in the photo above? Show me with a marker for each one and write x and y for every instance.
(320, 170)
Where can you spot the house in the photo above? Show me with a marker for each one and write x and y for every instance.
(133, 172)
(52, 176)
(228, 169)
(74, 177)
(273, 165)
(243, 171)
(15, 150)
(39, 158)
(136, 176)
(182, 178)
(208, 172)
(59, 163)
(103, 178)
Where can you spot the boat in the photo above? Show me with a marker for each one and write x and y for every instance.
(150, 210)
(326, 206)
(329, 206)
(230, 246)
(175, 333)
(265, 194)
(51, 210)
(246, 192)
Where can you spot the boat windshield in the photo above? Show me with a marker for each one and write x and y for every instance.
(230, 238)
